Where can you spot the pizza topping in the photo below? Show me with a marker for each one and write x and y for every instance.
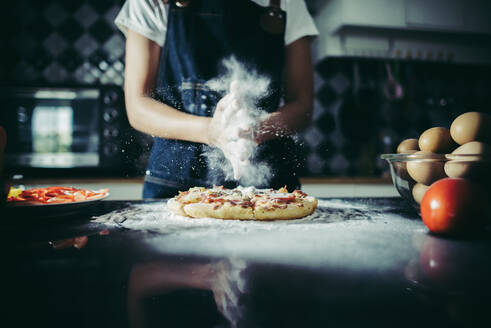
(193, 195)
(300, 193)
(248, 192)
(283, 197)
(251, 192)
(55, 195)
(213, 200)
(283, 190)
(246, 204)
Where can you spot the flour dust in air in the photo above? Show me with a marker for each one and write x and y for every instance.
(242, 88)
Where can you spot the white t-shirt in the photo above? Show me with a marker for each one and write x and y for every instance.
(149, 18)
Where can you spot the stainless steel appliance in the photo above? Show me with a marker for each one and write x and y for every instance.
(63, 128)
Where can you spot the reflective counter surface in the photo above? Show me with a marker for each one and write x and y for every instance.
(373, 264)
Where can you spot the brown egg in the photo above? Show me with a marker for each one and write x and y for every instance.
(475, 167)
(473, 148)
(408, 146)
(419, 190)
(437, 140)
(400, 170)
(426, 171)
(471, 126)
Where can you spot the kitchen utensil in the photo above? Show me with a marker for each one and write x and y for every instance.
(356, 116)
(393, 89)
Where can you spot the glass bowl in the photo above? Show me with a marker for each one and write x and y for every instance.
(412, 174)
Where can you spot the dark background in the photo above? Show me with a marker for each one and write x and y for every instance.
(68, 41)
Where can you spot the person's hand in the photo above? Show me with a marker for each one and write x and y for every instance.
(231, 119)
(232, 130)
(216, 130)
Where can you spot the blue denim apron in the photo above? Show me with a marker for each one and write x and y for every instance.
(198, 38)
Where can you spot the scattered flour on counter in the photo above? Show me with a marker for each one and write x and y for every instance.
(349, 234)
(156, 217)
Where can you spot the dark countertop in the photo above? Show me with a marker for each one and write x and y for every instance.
(357, 262)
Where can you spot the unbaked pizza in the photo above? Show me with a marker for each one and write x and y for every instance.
(242, 203)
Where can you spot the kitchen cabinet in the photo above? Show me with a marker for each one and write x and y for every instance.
(447, 15)
(435, 14)
(441, 30)
(378, 13)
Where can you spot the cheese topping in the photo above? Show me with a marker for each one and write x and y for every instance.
(241, 196)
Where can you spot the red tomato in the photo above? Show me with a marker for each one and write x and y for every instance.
(454, 206)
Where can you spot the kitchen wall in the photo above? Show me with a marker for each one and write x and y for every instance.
(62, 41)
(355, 120)
(69, 41)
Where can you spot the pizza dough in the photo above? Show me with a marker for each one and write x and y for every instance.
(242, 204)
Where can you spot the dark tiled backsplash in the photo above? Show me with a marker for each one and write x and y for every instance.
(355, 120)
(64, 41)
(70, 41)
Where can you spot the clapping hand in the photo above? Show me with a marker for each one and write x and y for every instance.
(232, 129)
